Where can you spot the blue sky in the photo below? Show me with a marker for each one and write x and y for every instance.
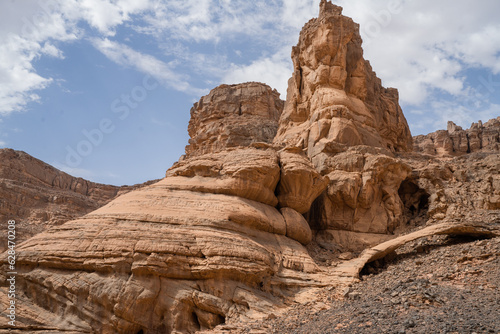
(102, 88)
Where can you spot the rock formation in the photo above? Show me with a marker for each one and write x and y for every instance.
(457, 141)
(350, 127)
(233, 116)
(334, 98)
(203, 246)
(38, 196)
(252, 218)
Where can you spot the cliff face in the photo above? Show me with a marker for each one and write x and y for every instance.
(456, 141)
(220, 239)
(232, 116)
(350, 127)
(334, 98)
(254, 217)
(38, 196)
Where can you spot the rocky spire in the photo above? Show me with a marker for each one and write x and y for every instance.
(326, 8)
(334, 96)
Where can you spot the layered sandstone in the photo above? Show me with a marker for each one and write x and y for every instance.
(220, 239)
(239, 227)
(456, 141)
(233, 116)
(37, 195)
(350, 126)
(334, 98)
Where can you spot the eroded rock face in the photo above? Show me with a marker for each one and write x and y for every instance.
(361, 206)
(220, 239)
(334, 98)
(339, 114)
(233, 116)
(38, 196)
(456, 141)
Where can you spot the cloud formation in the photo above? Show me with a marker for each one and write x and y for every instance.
(426, 49)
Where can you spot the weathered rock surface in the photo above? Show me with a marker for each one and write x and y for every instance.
(232, 116)
(334, 98)
(349, 126)
(456, 141)
(37, 195)
(206, 245)
(221, 240)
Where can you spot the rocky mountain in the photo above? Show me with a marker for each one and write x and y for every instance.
(38, 196)
(456, 141)
(273, 204)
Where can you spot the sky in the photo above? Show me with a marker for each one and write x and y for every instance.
(102, 89)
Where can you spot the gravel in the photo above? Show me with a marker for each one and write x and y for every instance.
(434, 285)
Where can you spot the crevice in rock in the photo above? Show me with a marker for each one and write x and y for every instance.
(195, 320)
(415, 201)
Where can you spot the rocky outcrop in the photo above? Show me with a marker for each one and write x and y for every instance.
(233, 116)
(350, 126)
(38, 196)
(220, 239)
(253, 218)
(456, 141)
(334, 98)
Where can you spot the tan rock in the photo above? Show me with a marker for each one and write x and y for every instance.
(456, 141)
(300, 184)
(297, 227)
(334, 96)
(38, 196)
(248, 172)
(362, 196)
(232, 116)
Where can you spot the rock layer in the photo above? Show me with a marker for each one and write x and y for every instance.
(232, 116)
(334, 98)
(220, 239)
(38, 196)
(456, 141)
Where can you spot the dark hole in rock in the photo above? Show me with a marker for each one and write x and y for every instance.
(196, 321)
(415, 201)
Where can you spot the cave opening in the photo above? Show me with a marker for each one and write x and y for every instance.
(415, 201)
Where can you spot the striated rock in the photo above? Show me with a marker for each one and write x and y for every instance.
(204, 246)
(362, 198)
(457, 141)
(220, 241)
(300, 183)
(453, 189)
(38, 196)
(232, 116)
(349, 126)
(297, 227)
(334, 98)
(250, 173)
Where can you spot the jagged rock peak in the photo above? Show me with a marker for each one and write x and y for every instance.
(234, 116)
(326, 8)
(457, 141)
(334, 97)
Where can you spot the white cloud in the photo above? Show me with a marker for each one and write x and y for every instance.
(30, 29)
(274, 71)
(147, 64)
(423, 46)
